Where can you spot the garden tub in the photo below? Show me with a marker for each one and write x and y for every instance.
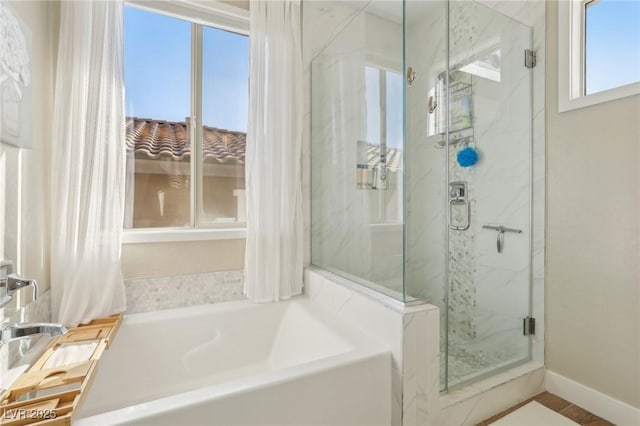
(240, 363)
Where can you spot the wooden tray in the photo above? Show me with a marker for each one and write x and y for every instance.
(98, 329)
(63, 388)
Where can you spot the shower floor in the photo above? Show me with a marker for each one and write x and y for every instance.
(468, 360)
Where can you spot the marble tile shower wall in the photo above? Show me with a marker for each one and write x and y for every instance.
(158, 293)
(38, 311)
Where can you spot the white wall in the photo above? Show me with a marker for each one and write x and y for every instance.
(25, 172)
(593, 238)
(181, 258)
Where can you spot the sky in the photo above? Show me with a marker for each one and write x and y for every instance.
(158, 71)
(157, 68)
(612, 44)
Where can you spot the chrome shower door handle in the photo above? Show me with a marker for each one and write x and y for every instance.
(501, 231)
(459, 202)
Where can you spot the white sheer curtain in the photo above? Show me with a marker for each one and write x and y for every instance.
(88, 159)
(273, 267)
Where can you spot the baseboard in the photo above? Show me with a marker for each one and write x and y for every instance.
(618, 412)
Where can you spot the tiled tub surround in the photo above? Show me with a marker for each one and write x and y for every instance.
(37, 311)
(241, 363)
(410, 332)
(158, 293)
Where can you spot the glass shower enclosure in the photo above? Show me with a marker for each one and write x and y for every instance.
(421, 170)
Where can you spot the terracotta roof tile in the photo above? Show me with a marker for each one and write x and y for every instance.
(157, 138)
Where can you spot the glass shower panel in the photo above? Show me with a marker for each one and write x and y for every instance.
(488, 192)
(357, 143)
(425, 237)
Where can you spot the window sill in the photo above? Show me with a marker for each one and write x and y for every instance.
(167, 235)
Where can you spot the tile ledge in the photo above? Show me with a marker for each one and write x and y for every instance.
(386, 300)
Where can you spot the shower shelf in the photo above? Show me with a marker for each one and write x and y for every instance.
(455, 141)
(456, 138)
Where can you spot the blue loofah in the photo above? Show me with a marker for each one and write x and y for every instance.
(467, 157)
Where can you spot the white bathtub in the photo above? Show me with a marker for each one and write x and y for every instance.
(239, 363)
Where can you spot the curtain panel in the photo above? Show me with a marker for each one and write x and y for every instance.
(88, 159)
(274, 247)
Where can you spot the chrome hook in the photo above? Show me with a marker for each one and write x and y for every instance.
(411, 76)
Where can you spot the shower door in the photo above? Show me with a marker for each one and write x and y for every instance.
(488, 192)
(468, 181)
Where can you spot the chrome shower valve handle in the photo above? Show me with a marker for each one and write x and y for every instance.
(458, 197)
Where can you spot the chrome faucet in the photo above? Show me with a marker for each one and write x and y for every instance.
(10, 332)
(14, 282)
(10, 283)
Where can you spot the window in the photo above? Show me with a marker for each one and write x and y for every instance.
(382, 149)
(186, 94)
(612, 44)
(598, 51)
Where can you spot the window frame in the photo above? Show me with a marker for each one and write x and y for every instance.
(222, 16)
(571, 61)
